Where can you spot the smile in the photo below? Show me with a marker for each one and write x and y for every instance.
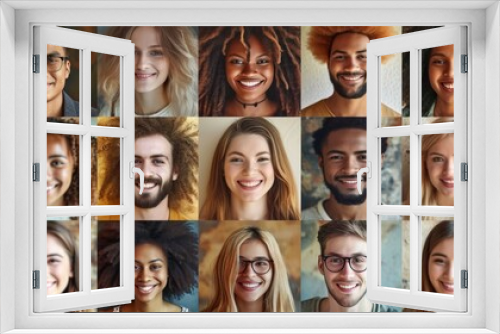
(51, 187)
(448, 287)
(352, 79)
(144, 76)
(347, 287)
(50, 284)
(250, 84)
(250, 286)
(448, 183)
(146, 289)
(447, 86)
(250, 184)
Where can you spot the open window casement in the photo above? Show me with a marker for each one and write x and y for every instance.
(78, 131)
(413, 213)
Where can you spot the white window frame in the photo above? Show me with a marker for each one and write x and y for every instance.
(86, 43)
(485, 48)
(414, 43)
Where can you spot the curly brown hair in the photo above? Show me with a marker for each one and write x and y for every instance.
(321, 38)
(282, 42)
(182, 134)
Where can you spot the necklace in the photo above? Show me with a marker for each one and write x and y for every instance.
(250, 104)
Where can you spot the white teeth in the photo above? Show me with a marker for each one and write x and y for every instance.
(250, 184)
(145, 289)
(448, 286)
(143, 76)
(51, 187)
(351, 77)
(350, 182)
(347, 286)
(447, 85)
(449, 182)
(250, 285)
(250, 83)
(149, 185)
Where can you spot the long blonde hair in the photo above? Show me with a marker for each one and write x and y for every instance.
(278, 298)
(282, 198)
(181, 49)
(429, 192)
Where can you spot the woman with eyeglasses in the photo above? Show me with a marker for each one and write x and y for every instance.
(250, 275)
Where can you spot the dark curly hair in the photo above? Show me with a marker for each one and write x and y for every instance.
(282, 42)
(182, 134)
(177, 240)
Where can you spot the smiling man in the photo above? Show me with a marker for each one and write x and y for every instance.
(343, 49)
(166, 150)
(341, 148)
(343, 264)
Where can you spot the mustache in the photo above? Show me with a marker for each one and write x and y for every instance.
(350, 177)
(351, 73)
(149, 179)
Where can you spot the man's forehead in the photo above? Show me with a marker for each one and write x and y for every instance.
(349, 41)
(345, 245)
(157, 143)
(56, 49)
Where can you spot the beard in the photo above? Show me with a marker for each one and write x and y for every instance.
(346, 199)
(148, 201)
(345, 301)
(342, 91)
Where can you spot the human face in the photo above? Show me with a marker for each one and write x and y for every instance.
(57, 79)
(248, 168)
(346, 287)
(439, 165)
(250, 76)
(441, 72)
(151, 272)
(347, 65)
(343, 155)
(151, 63)
(154, 156)
(60, 167)
(59, 269)
(251, 287)
(441, 267)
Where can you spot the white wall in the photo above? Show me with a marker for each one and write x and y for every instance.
(7, 158)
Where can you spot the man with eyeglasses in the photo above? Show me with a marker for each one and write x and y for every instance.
(59, 103)
(343, 264)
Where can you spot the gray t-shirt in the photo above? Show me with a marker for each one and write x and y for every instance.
(312, 305)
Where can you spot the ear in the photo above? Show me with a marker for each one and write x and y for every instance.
(175, 174)
(320, 161)
(68, 69)
(321, 265)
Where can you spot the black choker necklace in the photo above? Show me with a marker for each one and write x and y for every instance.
(250, 104)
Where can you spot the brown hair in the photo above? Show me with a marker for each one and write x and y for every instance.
(321, 38)
(282, 42)
(282, 198)
(59, 231)
(442, 231)
(356, 228)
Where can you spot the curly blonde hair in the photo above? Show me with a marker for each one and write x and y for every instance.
(321, 38)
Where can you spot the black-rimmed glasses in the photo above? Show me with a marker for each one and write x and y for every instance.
(335, 263)
(55, 63)
(260, 267)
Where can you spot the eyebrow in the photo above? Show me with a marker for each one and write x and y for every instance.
(54, 54)
(151, 47)
(241, 154)
(258, 258)
(152, 261)
(153, 156)
(340, 255)
(54, 254)
(345, 52)
(439, 254)
(342, 152)
(439, 55)
(58, 156)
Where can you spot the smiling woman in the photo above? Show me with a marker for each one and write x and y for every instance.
(249, 71)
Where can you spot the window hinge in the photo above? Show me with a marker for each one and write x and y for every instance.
(465, 279)
(36, 63)
(464, 172)
(465, 64)
(36, 172)
(36, 279)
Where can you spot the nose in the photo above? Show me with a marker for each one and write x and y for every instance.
(146, 168)
(347, 270)
(449, 167)
(141, 61)
(449, 69)
(250, 68)
(249, 167)
(352, 165)
(49, 171)
(351, 63)
(143, 275)
(449, 272)
(248, 270)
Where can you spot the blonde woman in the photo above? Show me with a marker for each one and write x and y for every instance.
(251, 177)
(166, 72)
(250, 275)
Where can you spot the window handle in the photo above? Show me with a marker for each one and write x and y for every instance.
(134, 170)
(360, 175)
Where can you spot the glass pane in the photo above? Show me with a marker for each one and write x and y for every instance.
(437, 81)
(395, 255)
(62, 255)
(63, 82)
(437, 255)
(393, 85)
(105, 252)
(395, 170)
(106, 157)
(105, 88)
(63, 175)
(438, 169)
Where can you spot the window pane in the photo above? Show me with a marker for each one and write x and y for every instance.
(107, 160)
(105, 252)
(437, 255)
(63, 255)
(63, 152)
(438, 169)
(63, 82)
(105, 88)
(437, 82)
(395, 256)
(393, 85)
(395, 170)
